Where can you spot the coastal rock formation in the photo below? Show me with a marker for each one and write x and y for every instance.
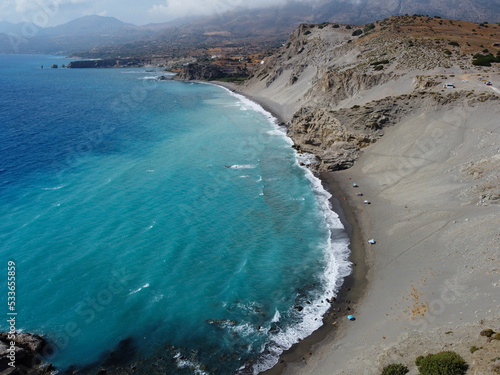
(337, 137)
(337, 92)
(200, 71)
(109, 63)
(27, 349)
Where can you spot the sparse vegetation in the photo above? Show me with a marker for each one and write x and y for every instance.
(474, 349)
(381, 62)
(443, 363)
(307, 32)
(484, 60)
(369, 27)
(453, 43)
(395, 369)
(357, 32)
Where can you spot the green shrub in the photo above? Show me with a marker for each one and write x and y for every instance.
(369, 27)
(454, 44)
(447, 52)
(484, 60)
(381, 62)
(395, 369)
(357, 32)
(378, 67)
(335, 26)
(443, 363)
(307, 32)
(348, 27)
(474, 349)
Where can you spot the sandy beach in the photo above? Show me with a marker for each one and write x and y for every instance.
(435, 266)
(431, 281)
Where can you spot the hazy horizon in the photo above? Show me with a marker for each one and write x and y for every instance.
(47, 13)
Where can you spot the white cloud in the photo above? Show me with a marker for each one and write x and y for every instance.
(23, 6)
(181, 8)
(95, 13)
(134, 11)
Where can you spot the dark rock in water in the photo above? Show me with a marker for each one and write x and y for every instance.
(274, 329)
(222, 322)
(28, 351)
(54, 66)
(298, 308)
(102, 371)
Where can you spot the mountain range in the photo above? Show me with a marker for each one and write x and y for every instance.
(97, 36)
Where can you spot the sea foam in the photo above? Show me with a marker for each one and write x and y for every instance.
(336, 254)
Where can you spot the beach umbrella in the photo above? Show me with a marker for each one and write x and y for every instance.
(350, 317)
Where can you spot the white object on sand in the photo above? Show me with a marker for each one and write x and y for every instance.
(372, 241)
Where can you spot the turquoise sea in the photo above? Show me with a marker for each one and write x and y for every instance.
(161, 225)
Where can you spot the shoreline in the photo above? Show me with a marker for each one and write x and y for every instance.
(274, 109)
(350, 294)
(354, 286)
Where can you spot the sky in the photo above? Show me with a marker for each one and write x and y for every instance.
(53, 12)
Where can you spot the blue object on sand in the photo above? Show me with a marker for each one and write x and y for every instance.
(350, 317)
(372, 241)
(355, 185)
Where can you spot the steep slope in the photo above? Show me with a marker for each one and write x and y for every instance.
(338, 91)
(426, 160)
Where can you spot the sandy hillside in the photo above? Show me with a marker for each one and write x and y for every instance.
(428, 160)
